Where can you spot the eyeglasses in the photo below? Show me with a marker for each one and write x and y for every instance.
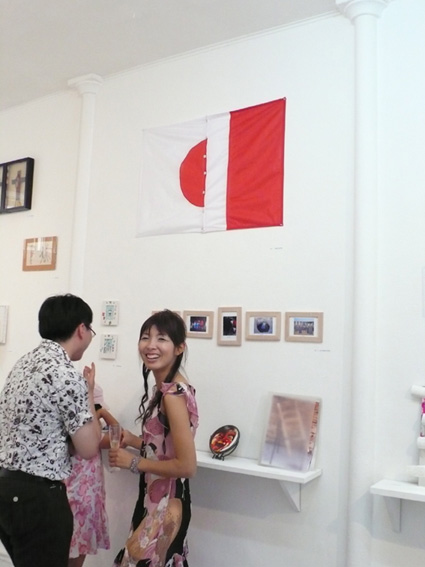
(90, 329)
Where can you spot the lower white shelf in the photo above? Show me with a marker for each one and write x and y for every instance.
(394, 492)
(290, 481)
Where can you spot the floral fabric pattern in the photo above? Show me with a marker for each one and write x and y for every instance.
(149, 543)
(44, 400)
(86, 495)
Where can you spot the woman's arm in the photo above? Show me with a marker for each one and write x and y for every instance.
(184, 463)
(130, 440)
(109, 419)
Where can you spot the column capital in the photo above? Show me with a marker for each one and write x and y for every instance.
(354, 8)
(86, 83)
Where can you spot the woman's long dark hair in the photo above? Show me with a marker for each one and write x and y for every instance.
(171, 324)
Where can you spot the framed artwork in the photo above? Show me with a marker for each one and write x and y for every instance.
(229, 326)
(16, 185)
(40, 253)
(108, 346)
(262, 326)
(291, 432)
(199, 324)
(304, 327)
(1, 187)
(110, 312)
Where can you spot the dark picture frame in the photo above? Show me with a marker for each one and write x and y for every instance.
(16, 182)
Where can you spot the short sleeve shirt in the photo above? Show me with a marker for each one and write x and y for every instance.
(43, 402)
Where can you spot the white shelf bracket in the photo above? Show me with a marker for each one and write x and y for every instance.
(394, 511)
(293, 492)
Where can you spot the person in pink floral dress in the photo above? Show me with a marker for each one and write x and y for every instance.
(158, 534)
(86, 495)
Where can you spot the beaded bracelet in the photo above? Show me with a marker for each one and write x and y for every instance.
(134, 465)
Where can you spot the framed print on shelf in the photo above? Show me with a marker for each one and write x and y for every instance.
(40, 253)
(229, 326)
(262, 326)
(199, 324)
(304, 327)
(290, 437)
(16, 185)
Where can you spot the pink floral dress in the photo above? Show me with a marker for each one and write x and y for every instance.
(158, 535)
(86, 494)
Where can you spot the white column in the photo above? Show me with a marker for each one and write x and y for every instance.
(87, 86)
(364, 15)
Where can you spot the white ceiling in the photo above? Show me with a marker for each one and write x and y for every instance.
(44, 43)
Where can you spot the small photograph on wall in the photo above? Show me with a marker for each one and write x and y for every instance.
(304, 327)
(262, 326)
(199, 324)
(229, 326)
(291, 432)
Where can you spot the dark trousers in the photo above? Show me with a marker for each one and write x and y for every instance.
(35, 521)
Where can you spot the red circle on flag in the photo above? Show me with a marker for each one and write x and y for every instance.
(192, 174)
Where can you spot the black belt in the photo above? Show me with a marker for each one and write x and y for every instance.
(21, 475)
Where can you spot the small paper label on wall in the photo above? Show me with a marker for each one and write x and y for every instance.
(3, 323)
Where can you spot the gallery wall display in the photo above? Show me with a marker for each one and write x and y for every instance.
(40, 253)
(300, 326)
(16, 180)
(304, 327)
(291, 432)
(199, 324)
(262, 326)
(229, 326)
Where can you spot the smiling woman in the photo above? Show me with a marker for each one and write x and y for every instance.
(167, 451)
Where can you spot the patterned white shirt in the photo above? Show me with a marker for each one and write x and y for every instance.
(44, 400)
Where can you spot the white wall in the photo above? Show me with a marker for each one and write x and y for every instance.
(306, 265)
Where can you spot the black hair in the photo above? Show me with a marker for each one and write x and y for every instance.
(169, 323)
(60, 315)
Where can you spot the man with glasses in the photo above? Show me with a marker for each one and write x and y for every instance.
(46, 411)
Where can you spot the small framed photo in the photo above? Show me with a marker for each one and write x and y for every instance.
(262, 326)
(110, 312)
(229, 326)
(199, 324)
(40, 253)
(108, 346)
(16, 179)
(290, 437)
(304, 327)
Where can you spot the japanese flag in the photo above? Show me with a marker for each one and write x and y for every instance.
(221, 172)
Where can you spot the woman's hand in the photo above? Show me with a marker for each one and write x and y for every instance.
(128, 439)
(120, 458)
(89, 374)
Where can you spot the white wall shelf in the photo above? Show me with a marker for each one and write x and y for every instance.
(394, 492)
(290, 481)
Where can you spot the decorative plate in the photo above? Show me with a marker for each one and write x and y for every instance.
(224, 441)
